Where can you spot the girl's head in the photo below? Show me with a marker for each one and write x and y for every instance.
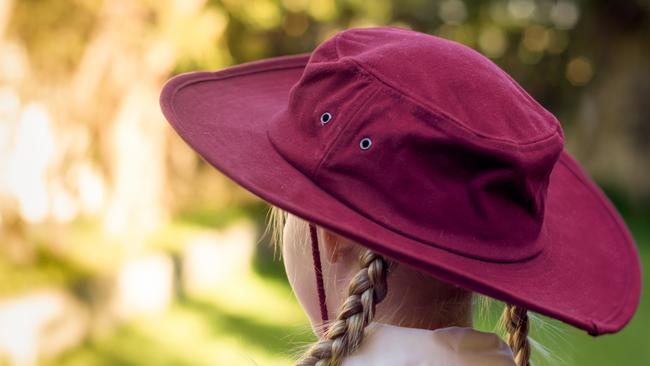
(363, 286)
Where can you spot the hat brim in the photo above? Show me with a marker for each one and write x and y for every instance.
(588, 274)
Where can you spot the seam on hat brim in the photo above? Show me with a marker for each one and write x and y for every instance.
(628, 240)
(180, 81)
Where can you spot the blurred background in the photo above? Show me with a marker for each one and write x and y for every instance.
(119, 246)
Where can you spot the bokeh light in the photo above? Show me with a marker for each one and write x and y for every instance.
(579, 70)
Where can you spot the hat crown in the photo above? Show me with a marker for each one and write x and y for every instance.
(450, 78)
(460, 154)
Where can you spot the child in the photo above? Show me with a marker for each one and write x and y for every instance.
(412, 171)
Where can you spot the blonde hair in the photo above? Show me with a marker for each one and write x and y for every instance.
(367, 289)
(515, 321)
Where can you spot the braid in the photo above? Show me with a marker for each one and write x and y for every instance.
(515, 320)
(344, 335)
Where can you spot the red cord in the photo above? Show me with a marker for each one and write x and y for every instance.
(315, 251)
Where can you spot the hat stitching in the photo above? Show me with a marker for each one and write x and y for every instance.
(451, 119)
(425, 112)
(456, 130)
(255, 67)
(336, 45)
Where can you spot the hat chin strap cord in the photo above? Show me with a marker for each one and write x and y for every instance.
(318, 270)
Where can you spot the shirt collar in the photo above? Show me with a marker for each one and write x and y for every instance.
(386, 344)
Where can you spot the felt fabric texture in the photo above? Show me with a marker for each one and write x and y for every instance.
(389, 345)
(466, 178)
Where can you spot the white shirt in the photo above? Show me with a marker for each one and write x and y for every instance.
(386, 344)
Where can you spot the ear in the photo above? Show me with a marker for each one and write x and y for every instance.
(336, 247)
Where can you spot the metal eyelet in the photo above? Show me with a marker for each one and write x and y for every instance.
(325, 117)
(365, 143)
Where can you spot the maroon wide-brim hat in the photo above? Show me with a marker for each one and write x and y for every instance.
(425, 151)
